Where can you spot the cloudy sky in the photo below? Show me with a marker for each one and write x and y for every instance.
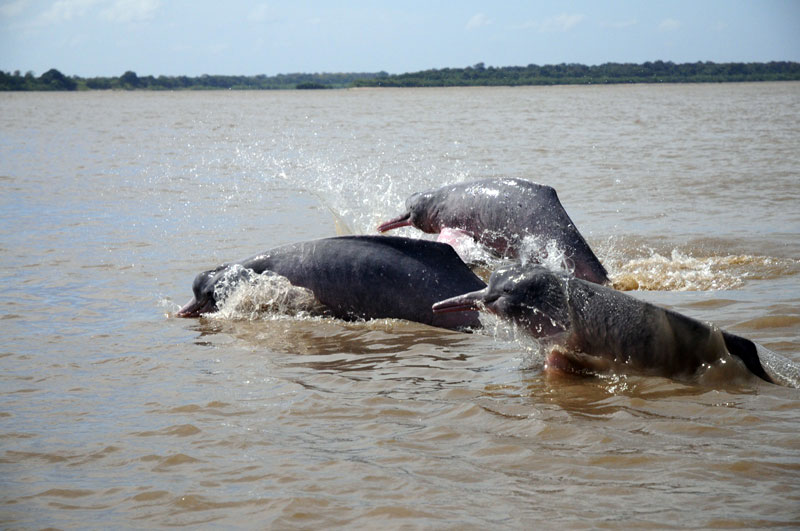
(194, 37)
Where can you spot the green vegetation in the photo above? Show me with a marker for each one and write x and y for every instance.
(131, 81)
(477, 75)
(311, 86)
(576, 74)
(50, 80)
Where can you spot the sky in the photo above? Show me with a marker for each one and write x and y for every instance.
(193, 37)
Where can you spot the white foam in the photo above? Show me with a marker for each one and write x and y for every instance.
(265, 296)
(537, 250)
(782, 370)
(682, 272)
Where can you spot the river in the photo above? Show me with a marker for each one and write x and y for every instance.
(114, 413)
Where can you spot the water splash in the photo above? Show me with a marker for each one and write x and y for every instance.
(682, 271)
(782, 370)
(536, 250)
(534, 351)
(264, 296)
(470, 251)
(169, 306)
(359, 192)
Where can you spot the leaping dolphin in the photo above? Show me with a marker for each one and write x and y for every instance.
(503, 215)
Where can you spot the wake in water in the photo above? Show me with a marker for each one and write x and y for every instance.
(681, 271)
(782, 370)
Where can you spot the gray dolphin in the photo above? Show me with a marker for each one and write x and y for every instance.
(599, 329)
(358, 277)
(500, 214)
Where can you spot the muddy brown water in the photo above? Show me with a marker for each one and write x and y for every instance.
(115, 413)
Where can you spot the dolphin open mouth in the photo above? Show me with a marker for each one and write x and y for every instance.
(402, 221)
(195, 309)
(460, 303)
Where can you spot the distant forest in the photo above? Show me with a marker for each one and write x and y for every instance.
(476, 75)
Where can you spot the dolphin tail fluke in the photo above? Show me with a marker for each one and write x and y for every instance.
(746, 350)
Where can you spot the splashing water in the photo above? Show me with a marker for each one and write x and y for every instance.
(534, 350)
(360, 193)
(547, 253)
(681, 271)
(470, 251)
(243, 294)
(782, 370)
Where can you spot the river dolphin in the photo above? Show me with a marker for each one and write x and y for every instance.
(598, 329)
(505, 215)
(358, 277)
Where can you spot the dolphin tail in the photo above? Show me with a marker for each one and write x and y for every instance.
(747, 351)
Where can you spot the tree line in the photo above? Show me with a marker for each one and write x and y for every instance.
(578, 74)
(476, 75)
(55, 80)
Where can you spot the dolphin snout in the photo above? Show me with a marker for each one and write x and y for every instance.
(396, 223)
(190, 309)
(461, 303)
(193, 308)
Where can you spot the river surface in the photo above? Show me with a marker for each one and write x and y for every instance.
(114, 413)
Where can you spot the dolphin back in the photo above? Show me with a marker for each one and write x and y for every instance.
(502, 213)
(376, 276)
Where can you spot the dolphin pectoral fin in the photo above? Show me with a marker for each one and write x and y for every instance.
(396, 223)
(563, 360)
(558, 362)
(454, 237)
(460, 303)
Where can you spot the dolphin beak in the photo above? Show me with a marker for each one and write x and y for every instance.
(190, 309)
(402, 221)
(461, 303)
(195, 309)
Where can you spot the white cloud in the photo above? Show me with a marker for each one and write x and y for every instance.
(669, 24)
(558, 23)
(620, 24)
(478, 20)
(111, 10)
(131, 10)
(66, 10)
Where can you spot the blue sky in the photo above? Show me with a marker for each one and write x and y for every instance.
(174, 37)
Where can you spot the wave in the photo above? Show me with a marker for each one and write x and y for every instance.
(680, 271)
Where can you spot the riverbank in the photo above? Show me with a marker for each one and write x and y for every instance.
(476, 75)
